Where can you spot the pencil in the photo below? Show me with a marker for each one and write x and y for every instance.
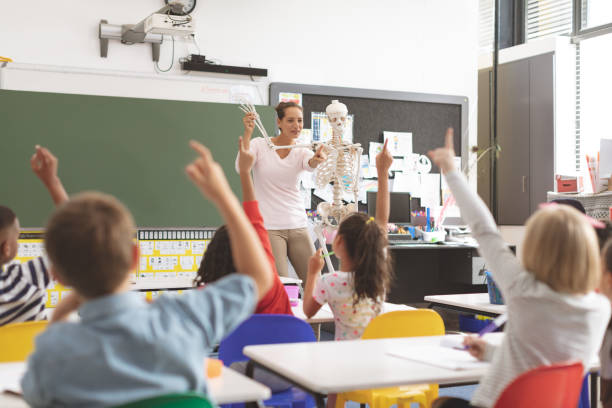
(327, 254)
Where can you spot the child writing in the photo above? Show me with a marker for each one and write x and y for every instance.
(356, 292)
(217, 260)
(22, 286)
(134, 350)
(554, 314)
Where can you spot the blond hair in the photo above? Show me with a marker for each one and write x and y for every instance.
(89, 241)
(561, 250)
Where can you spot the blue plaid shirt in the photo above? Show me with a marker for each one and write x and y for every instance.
(124, 349)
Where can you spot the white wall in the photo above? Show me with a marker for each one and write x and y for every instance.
(403, 45)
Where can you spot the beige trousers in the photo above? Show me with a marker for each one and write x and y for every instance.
(294, 244)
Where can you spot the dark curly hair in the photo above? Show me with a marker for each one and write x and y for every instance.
(366, 244)
(7, 217)
(217, 261)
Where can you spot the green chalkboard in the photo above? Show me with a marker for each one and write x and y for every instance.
(135, 149)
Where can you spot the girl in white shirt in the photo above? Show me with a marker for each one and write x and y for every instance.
(554, 314)
(276, 175)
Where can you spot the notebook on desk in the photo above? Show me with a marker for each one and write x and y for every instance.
(439, 356)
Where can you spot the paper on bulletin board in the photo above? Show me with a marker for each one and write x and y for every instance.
(290, 97)
(307, 196)
(308, 180)
(305, 137)
(397, 165)
(407, 183)
(326, 193)
(430, 190)
(400, 143)
(366, 169)
(375, 148)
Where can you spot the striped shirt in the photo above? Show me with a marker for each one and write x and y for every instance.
(22, 291)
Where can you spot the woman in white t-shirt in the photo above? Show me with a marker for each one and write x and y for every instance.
(276, 175)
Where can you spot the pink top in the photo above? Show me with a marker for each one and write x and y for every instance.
(276, 184)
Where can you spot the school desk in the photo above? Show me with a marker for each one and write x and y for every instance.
(230, 387)
(337, 366)
(468, 302)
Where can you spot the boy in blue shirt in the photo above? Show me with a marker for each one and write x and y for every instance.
(124, 349)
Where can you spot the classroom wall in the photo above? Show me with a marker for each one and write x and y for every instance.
(410, 45)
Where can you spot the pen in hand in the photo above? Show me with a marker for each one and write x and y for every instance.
(327, 254)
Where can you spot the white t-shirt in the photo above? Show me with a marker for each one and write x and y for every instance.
(544, 326)
(337, 289)
(276, 184)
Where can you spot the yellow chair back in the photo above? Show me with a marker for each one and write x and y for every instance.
(17, 340)
(405, 323)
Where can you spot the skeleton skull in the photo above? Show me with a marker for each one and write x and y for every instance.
(337, 114)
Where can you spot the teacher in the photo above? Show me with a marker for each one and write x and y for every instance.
(276, 175)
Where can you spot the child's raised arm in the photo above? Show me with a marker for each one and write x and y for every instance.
(44, 165)
(245, 162)
(504, 265)
(383, 163)
(315, 264)
(247, 252)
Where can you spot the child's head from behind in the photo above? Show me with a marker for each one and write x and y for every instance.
(217, 261)
(89, 241)
(364, 243)
(9, 234)
(560, 249)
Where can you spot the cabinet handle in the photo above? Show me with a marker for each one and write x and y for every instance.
(524, 179)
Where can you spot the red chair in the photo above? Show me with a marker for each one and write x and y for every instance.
(554, 386)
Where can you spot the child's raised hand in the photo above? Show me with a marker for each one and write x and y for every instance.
(245, 158)
(44, 165)
(475, 346)
(444, 157)
(316, 262)
(249, 124)
(207, 174)
(384, 160)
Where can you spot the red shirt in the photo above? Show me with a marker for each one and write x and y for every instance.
(276, 300)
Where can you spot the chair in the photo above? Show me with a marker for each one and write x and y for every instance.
(269, 329)
(403, 323)
(555, 386)
(17, 340)
(178, 400)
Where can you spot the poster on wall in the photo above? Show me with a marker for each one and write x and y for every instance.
(290, 97)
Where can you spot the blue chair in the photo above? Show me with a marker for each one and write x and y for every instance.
(269, 329)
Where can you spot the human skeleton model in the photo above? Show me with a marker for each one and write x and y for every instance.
(340, 168)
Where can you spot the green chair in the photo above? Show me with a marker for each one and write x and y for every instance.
(178, 400)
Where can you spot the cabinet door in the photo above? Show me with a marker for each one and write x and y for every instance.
(542, 128)
(513, 169)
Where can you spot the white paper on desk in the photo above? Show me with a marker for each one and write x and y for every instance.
(10, 376)
(400, 143)
(439, 357)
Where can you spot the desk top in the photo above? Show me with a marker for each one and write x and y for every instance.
(358, 364)
(229, 387)
(325, 315)
(477, 302)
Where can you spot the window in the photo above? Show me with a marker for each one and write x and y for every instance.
(486, 26)
(595, 93)
(547, 18)
(596, 13)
